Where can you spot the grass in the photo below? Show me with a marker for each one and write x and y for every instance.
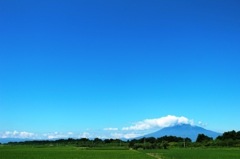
(21, 152)
(200, 153)
(26, 152)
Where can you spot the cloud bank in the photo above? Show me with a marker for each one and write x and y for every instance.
(56, 135)
(110, 129)
(16, 134)
(126, 136)
(139, 128)
(162, 122)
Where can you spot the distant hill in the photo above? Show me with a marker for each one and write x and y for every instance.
(183, 130)
(6, 140)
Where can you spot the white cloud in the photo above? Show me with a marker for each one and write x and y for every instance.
(126, 136)
(85, 135)
(16, 134)
(132, 135)
(56, 135)
(110, 129)
(202, 124)
(162, 122)
(26, 134)
(116, 135)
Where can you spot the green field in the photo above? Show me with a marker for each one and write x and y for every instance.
(199, 153)
(24, 152)
(20, 152)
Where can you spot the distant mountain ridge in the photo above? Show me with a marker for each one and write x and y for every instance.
(183, 130)
(6, 140)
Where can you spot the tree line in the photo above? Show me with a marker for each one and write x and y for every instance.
(82, 142)
(227, 139)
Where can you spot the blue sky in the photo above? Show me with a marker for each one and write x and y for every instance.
(117, 68)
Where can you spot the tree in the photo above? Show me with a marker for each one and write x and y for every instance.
(107, 141)
(238, 135)
(165, 144)
(132, 143)
(71, 139)
(229, 135)
(188, 140)
(151, 140)
(97, 140)
(203, 138)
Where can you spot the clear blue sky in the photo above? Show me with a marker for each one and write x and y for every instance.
(76, 68)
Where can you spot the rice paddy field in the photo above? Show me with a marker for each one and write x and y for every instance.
(199, 153)
(7, 152)
(23, 152)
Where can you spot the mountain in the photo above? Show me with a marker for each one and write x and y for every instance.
(6, 140)
(183, 130)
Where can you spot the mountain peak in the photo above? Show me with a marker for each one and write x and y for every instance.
(183, 130)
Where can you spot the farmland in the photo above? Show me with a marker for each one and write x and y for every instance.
(22, 152)
(27, 152)
(199, 153)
